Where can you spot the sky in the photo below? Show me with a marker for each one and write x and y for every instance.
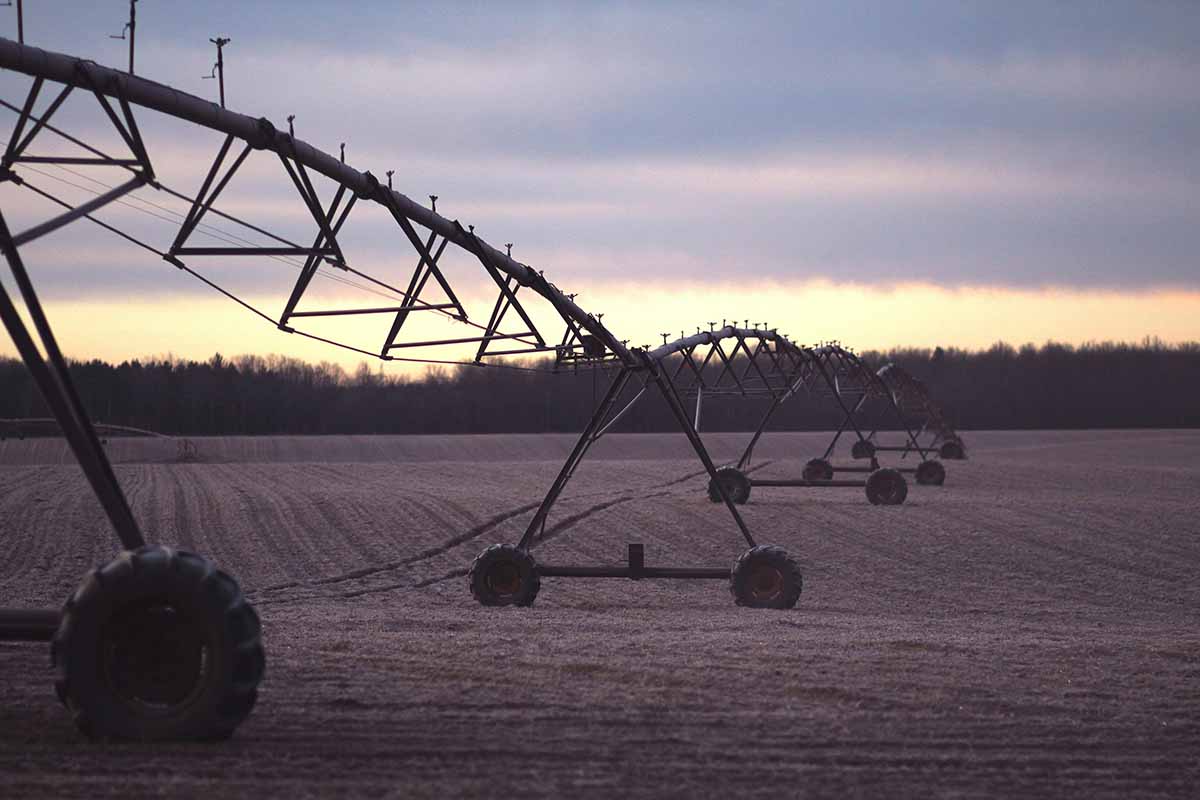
(882, 174)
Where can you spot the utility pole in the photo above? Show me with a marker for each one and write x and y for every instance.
(131, 29)
(218, 70)
(20, 20)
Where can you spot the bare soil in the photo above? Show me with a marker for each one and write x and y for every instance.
(1030, 628)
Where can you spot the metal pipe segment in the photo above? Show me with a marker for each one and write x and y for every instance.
(261, 134)
(728, 332)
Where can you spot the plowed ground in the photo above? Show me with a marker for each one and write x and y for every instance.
(1029, 628)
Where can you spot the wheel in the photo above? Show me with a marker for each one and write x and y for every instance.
(158, 644)
(765, 577)
(863, 449)
(736, 484)
(931, 473)
(886, 487)
(504, 575)
(952, 450)
(817, 469)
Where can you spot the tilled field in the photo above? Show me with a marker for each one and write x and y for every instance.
(1029, 628)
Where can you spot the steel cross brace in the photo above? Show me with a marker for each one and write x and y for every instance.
(895, 399)
(17, 145)
(428, 262)
(571, 345)
(313, 261)
(586, 439)
(726, 367)
(744, 461)
(841, 429)
(19, 141)
(509, 287)
(599, 424)
(830, 383)
(50, 371)
(416, 285)
(871, 380)
(686, 360)
(54, 381)
(676, 405)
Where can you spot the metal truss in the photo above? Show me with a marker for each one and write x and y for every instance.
(42, 354)
(584, 340)
(855, 381)
(117, 95)
(771, 364)
(727, 362)
(730, 361)
(912, 399)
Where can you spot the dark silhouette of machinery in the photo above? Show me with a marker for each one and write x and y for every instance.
(160, 643)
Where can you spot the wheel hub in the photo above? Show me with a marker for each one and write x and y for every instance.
(154, 656)
(766, 583)
(504, 578)
(892, 488)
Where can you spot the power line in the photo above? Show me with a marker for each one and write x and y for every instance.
(248, 306)
(97, 152)
(211, 231)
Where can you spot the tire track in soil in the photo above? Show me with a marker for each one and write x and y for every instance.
(337, 518)
(366, 572)
(1067, 553)
(18, 477)
(885, 566)
(20, 511)
(456, 541)
(853, 534)
(74, 538)
(1126, 534)
(226, 498)
(196, 511)
(553, 532)
(331, 527)
(274, 518)
(564, 524)
(185, 534)
(890, 558)
(1054, 576)
(431, 552)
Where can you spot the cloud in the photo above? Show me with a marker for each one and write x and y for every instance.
(1018, 145)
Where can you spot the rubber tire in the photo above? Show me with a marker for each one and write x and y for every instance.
(740, 577)
(817, 469)
(737, 485)
(931, 473)
(210, 599)
(862, 449)
(952, 450)
(886, 487)
(529, 582)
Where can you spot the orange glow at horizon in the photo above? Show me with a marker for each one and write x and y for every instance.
(862, 317)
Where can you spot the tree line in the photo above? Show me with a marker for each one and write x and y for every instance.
(1105, 385)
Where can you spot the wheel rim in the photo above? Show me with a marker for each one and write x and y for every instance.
(765, 583)
(154, 657)
(504, 578)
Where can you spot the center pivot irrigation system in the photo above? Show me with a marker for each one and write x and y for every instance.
(898, 399)
(159, 643)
